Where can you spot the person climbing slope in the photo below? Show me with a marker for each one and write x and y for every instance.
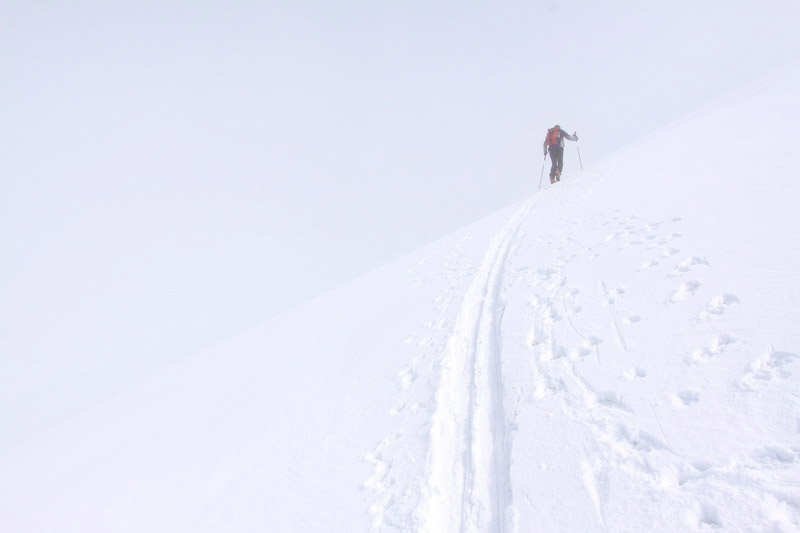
(554, 141)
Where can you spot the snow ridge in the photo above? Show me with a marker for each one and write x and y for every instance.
(468, 483)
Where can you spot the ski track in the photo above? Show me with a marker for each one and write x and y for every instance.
(467, 486)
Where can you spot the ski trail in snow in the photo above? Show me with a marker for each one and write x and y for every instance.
(468, 486)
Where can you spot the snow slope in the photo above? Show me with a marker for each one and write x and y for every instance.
(616, 352)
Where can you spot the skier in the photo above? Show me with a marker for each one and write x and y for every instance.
(555, 142)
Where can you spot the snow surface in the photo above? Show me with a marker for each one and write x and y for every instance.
(616, 352)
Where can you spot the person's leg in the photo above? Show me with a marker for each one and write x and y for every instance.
(554, 159)
(560, 162)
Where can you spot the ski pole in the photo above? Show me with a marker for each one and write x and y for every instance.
(541, 174)
(578, 146)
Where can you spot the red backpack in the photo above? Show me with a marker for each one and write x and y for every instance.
(552, 137)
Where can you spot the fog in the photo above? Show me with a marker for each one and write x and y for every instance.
(172, 174)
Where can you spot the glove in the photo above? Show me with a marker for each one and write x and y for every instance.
(575, 134)
(545, 152)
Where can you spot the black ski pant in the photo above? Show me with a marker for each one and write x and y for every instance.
(557, 157)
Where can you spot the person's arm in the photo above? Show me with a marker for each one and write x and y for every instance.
(573, 137)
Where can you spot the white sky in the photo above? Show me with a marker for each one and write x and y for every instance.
(174, 171)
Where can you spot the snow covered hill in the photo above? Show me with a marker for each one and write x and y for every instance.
(616, 352)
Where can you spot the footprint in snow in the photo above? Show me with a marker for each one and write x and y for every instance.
(608, 399)
(652, 226)
(612, 294)
(701, 465)
(407, 376)
(546, 388)
(580, 351)
(669, 252)
(777, 454)
(629, 244)
(684, 291)
(634, 373)
(425, 342)
(687, 264)
(649, 264)
(636, 441)
(685, 398)
(770, 367)
(546, 273)
(717, 305)
(705, 516)
(616, 235)
(712, 349)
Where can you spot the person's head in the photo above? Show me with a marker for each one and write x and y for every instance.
(556, 127)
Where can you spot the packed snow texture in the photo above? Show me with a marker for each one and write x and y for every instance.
(619, 351)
